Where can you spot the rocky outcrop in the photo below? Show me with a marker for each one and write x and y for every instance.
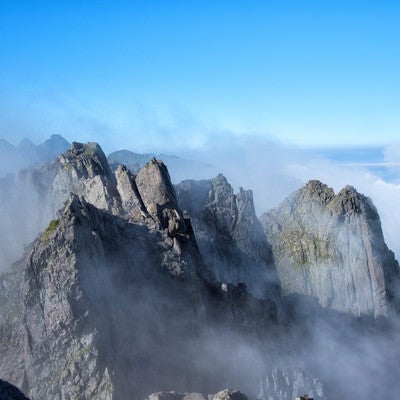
(158, 196)
(331, 247)
(230, 236)
(225, 394)
(85, 171)
(11, 330)
(289, 383)
(91, 277)
(32, 198)
(131, 201)
(135, 286)
(103, 311)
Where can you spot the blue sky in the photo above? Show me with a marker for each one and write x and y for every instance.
(172, 73)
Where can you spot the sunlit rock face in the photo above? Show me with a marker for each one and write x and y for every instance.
(135, 286)
(113, 299)
(31, 198)
(95, 287)
(331, 247)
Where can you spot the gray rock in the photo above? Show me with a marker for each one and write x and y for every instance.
(95, 282)
(331, 247)
(288, 383)
(177, 396)
(85, 171)
(32, 198)
(230, 236)
(225, 394)
(158, 195)
(132, 203)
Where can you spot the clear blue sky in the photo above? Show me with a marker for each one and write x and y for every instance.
(312, 73)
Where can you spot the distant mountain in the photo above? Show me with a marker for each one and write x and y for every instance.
(27, 154)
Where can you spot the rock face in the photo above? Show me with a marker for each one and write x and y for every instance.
(114, 300)
(31, 199)
(136, 286)
(83, 169)
(230, 236)
(221, 395)
(288, 383)
(89, 279)
(97, 300)
(331, 247)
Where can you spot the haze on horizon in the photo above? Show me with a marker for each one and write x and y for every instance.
(174, 75)
(256, 86)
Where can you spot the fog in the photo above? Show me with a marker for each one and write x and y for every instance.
(312, 350)
(273, 170)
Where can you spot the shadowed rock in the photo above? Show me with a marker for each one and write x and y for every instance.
(10, 392)
(230, 236)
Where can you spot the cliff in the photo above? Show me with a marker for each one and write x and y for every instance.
(331, 247)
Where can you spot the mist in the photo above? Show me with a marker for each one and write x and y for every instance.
(327, 354)
(273, 170)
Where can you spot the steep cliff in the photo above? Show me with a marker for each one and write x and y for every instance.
(137, 286)
(230, 236)
(332, 247)
(32, 197)
(113, 300)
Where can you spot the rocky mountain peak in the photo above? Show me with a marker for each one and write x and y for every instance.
(349, 201)
(332, 247)
(93, 282)
(88, 159)
(230, 236)
(222, 189)
(318, 191)
(158, 196)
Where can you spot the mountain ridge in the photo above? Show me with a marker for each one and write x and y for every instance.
(135, 285)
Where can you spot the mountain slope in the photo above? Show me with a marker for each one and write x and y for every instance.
(113, 300)
(104, 316)
(137, 286)
(229, 235)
